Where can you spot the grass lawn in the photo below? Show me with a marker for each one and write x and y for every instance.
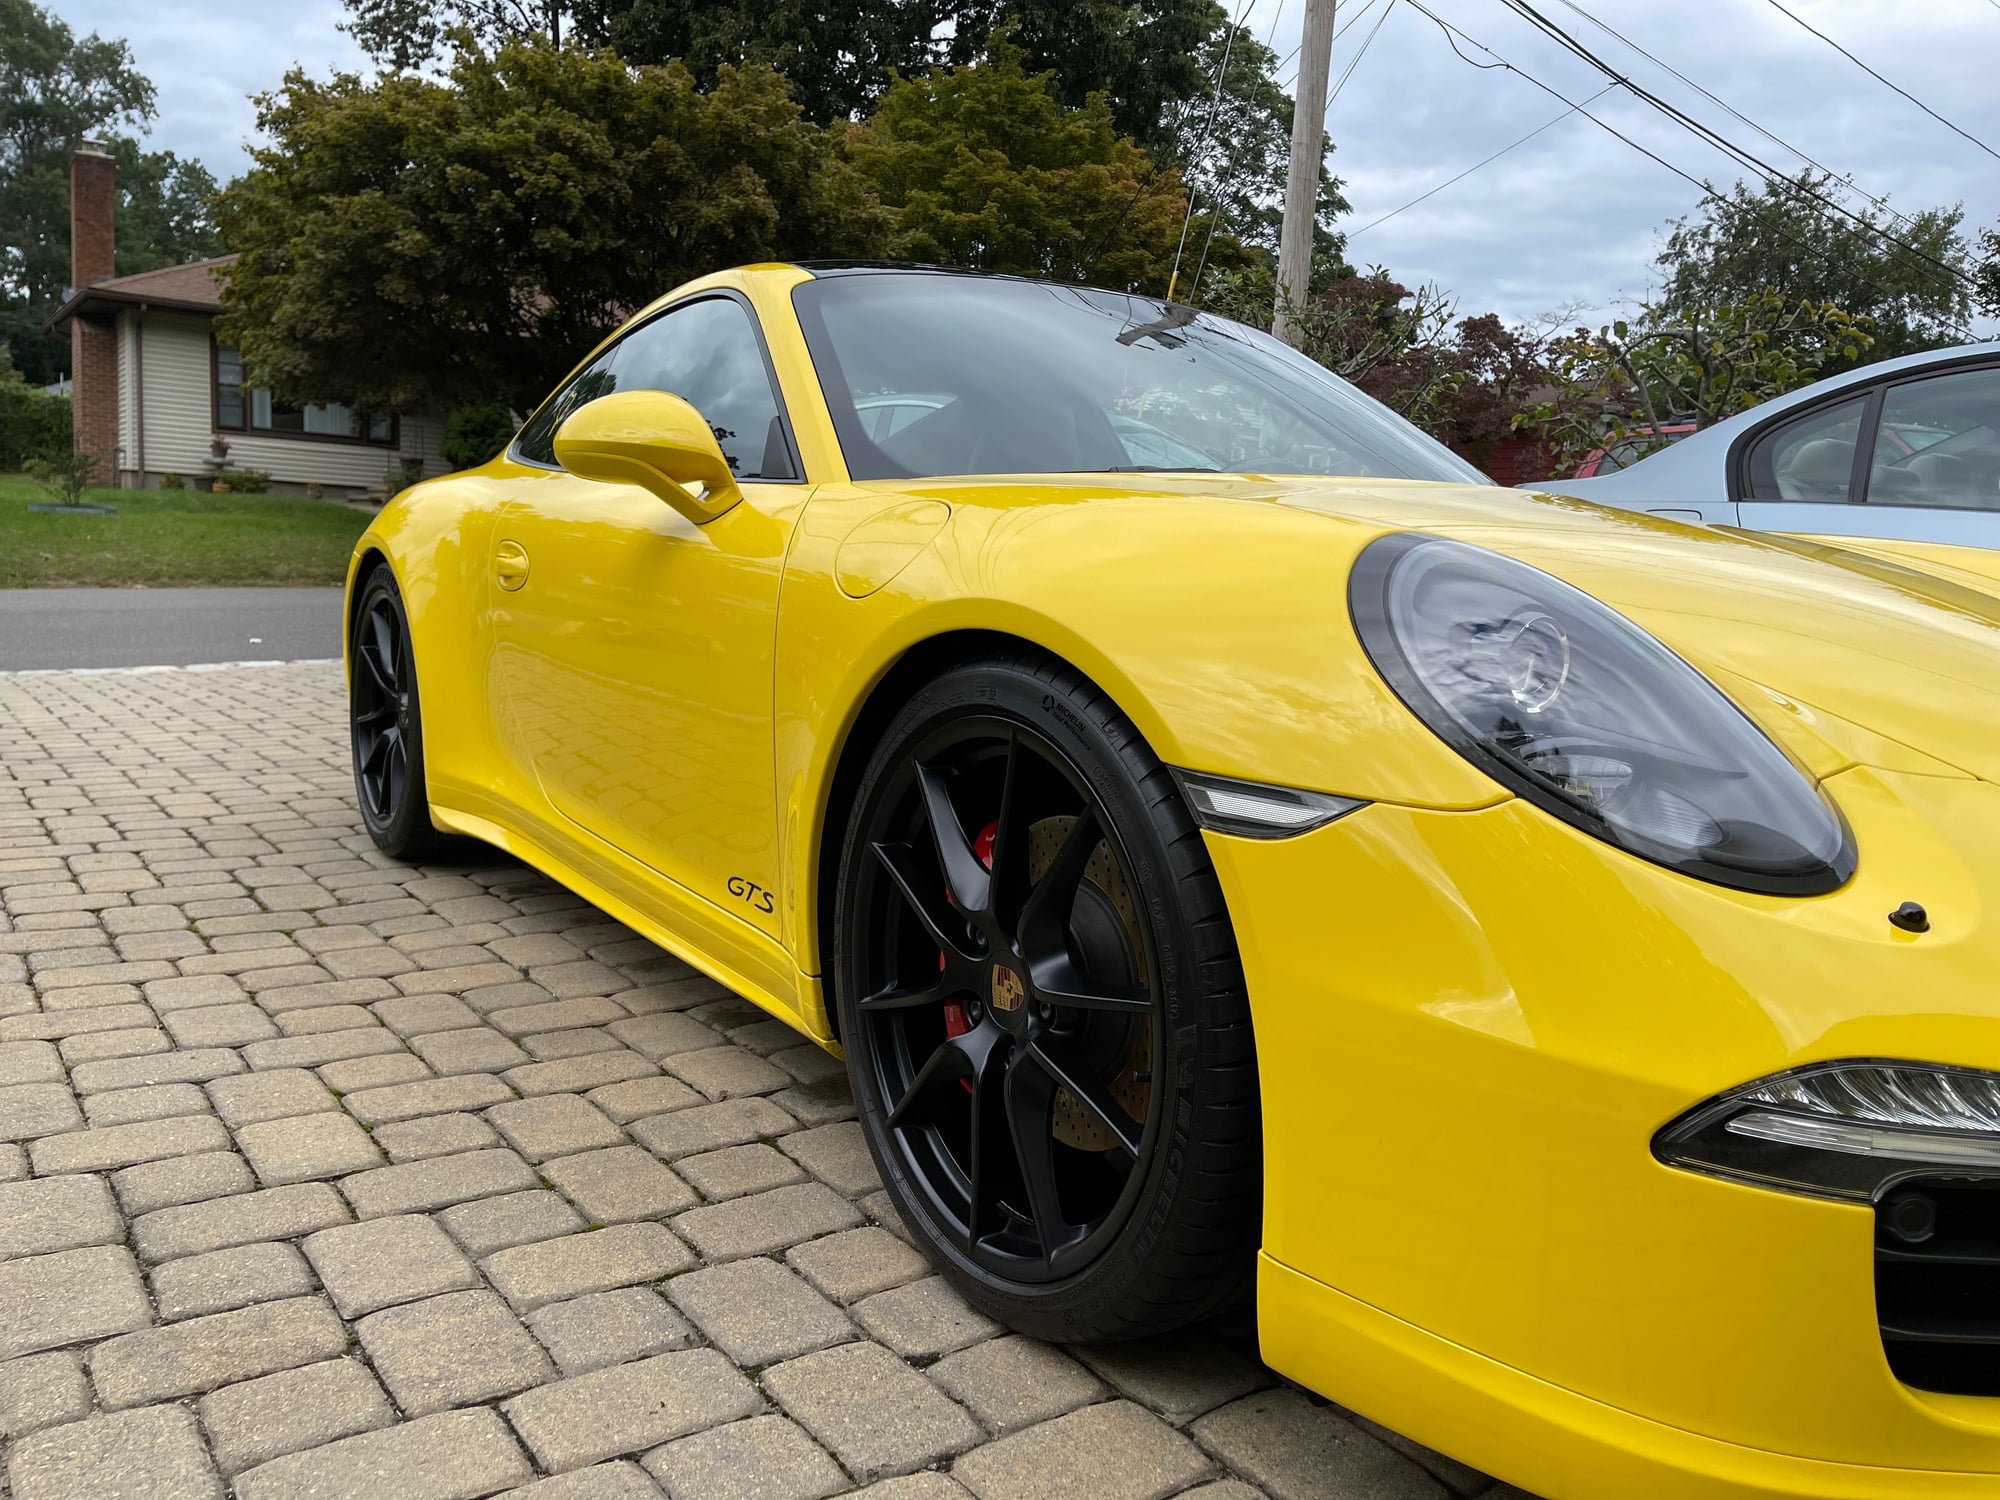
(161, 538)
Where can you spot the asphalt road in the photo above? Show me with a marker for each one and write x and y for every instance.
(43, 629)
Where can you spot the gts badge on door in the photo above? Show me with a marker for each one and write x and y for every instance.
(750, 893)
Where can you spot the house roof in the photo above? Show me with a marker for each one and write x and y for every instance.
(195, 287)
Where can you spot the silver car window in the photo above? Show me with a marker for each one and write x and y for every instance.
(1938, 443)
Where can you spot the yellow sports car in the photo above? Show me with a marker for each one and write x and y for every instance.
(1547, 948)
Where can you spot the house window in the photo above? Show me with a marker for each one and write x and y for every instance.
(253, 409)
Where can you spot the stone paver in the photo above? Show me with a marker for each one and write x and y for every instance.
(1113, 1451)
(41, 1390)
(878, 1415)
(259, 1420)
(223, 1280)
(47, 1301)
(1294, 1448)
(160, 1364)
(452, 1456)
(757, 1312)
(154, 1454)
(626, 1408)
(327, 1176)
(531, 1276)
(1011, 1383)
(764, 1458)
(451, 1351)
(608, 1328)
(57, 1213)
(381, 1262)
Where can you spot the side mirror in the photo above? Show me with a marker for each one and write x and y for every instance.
(654, 440)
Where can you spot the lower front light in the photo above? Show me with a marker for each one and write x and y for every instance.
(1843, 1130)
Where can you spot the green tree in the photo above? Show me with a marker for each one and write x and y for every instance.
(1699, 365)
(987, 170)
(837, 58)
(407, 34)
(1781, 238)
(1143, 55)
(1233, 146)
(416, 244)
(57, 90)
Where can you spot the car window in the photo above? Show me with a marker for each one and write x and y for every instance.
(928, 374)
(1810, 459)
(707, 353)
(1939, 443)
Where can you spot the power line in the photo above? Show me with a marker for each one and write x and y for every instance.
(1720, 142)
(1883, 81)
(1359, 53)
(1488, 161)
(1453, 34)
(1214, 108)
(1730, 109)
(1342, 31)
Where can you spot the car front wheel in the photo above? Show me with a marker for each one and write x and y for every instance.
(1043, 1010)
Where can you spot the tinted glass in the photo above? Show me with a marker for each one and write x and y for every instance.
(930, 374)
(1810, 460)
(706, 353)
(1939, 443)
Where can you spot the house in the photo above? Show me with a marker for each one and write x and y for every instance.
(155, 394)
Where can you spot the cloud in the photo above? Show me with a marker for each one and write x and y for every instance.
(206, 59)
(1572, 216)
(1575, 213)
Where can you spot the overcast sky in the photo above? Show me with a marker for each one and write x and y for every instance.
(1573, 215)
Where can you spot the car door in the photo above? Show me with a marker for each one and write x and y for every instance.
(1911, 459)
(633, 647)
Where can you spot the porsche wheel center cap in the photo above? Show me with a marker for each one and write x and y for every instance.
(1008, 991)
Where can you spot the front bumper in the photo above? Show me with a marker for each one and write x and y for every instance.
(1470, 1026)
(1551, 1441)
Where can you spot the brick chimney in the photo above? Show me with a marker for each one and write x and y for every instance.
(93, 346)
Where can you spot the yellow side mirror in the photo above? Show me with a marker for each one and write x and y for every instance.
(654, 440)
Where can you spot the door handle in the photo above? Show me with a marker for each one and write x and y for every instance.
(510, 565)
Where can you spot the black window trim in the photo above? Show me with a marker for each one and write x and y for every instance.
(730, 294)
(1738, 470)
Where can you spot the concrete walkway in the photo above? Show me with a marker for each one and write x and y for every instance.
(58, 629)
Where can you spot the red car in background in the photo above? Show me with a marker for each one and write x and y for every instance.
(1629, 449)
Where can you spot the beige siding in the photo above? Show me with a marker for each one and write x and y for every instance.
(419, 438)
(180, 420)
(128, 406)
(179, 414)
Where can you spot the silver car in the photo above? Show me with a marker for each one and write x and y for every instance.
(1905, 450)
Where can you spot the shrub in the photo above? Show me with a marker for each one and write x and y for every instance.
(247, 481)
(67, 475)
(473, 434)
(173, 482)
(33, 425)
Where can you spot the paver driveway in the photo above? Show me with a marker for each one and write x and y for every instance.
(325, 1176)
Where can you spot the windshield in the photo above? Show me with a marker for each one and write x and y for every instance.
(928, 374)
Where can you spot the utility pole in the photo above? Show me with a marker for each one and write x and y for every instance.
(1295, 239)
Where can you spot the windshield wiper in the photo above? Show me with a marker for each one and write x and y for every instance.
(1155, 469)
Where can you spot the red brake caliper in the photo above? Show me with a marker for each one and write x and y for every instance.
(956, 1022)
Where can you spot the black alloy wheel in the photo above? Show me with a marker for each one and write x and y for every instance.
(1043, 1010)
(386, 723)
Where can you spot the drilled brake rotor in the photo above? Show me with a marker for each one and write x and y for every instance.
(1120, 1049)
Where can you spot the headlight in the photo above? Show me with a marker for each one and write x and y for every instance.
(1577, 709)
(1845, 1129)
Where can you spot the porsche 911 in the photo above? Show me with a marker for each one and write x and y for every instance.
(1540, 952)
